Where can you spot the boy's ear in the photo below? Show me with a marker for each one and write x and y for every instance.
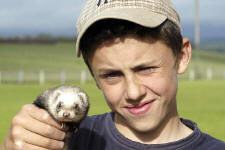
(98, 86)
(184, 56)
(96, 82)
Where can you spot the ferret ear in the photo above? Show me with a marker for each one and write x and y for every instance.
(56, 95)
(82, 96)
(40, 101)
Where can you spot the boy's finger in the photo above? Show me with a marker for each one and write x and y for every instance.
(42, 115)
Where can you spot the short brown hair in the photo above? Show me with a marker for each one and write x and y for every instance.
(110, 29)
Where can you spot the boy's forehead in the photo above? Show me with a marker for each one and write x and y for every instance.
(131, 51)
(148, 13)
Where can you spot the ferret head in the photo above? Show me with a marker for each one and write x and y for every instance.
(68, 105)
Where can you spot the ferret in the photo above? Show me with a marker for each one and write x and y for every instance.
(68, 105)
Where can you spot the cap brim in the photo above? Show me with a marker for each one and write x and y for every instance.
(135, 15)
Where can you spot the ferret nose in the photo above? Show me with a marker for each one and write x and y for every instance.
(66, 114)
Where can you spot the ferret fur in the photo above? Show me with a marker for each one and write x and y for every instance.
(68, 105)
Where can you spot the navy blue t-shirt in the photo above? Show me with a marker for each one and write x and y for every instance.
(99, 133)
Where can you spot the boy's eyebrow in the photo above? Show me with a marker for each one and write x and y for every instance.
(107, 70)
(146, 63)
(138, 65)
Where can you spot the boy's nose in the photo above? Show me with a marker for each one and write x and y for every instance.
(134, 90)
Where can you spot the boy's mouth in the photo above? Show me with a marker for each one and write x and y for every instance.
(140, 109)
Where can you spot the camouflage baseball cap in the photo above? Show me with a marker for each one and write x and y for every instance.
(148, 13)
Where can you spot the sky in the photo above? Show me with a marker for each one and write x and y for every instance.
(57, 17)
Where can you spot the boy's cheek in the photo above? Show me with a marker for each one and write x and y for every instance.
(162, 86)
(113, 94)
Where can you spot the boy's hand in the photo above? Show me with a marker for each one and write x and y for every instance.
(34, 129)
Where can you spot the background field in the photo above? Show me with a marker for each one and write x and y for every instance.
(35, 57)
(202, 101)
(53, 58)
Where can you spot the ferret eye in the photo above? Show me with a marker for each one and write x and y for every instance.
(59, 105)
(76, 106)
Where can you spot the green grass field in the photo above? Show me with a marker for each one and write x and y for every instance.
(61, 56)
(201, 101)
(35, 57)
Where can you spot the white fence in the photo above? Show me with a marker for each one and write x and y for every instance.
(42, 77)
(207, 74)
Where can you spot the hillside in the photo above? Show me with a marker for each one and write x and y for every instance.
(35, 57)
(61, 57)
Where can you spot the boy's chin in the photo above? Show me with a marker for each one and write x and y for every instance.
(142, 127)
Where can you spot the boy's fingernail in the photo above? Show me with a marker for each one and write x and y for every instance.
(64, 127)
(61, 145)
(63, 135)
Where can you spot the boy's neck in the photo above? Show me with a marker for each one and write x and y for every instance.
(170, 130)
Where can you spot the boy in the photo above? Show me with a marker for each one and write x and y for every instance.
(134, 50)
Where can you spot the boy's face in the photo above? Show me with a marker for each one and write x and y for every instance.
(139, 81)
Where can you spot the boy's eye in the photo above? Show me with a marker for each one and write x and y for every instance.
(112, 77)
(146, 70)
